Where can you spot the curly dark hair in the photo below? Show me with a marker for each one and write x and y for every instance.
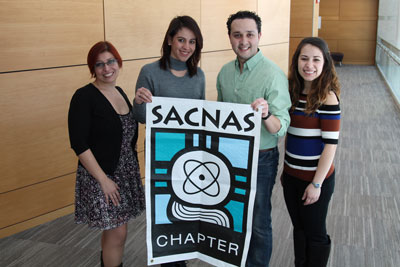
(321, 86)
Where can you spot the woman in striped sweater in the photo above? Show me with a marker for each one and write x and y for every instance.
(308, 177)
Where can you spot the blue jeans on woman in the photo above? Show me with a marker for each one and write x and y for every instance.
(261, 238)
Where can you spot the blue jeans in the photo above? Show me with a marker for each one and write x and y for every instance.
(261, 238)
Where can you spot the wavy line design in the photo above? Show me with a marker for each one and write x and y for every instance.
(185, 213)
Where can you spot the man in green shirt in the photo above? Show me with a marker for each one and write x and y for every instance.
(254, 79)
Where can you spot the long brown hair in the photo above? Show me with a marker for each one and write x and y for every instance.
(321, 86)
(175, 26)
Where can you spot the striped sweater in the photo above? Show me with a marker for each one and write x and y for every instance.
(306, 137)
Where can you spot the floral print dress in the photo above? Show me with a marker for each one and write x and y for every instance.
(90, 205)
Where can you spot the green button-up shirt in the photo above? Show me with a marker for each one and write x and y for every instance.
(260, 78)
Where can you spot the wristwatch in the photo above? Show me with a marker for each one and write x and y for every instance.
(266, 117)
(316, 185)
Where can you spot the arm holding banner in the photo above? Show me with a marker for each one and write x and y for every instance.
(271, 92)
(278, 99)
(271, 123)
(143, 95)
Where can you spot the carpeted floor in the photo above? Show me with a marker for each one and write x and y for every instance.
(364, 216)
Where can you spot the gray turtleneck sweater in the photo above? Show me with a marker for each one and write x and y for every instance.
(163, 83)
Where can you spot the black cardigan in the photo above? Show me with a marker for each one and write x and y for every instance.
(94, 124)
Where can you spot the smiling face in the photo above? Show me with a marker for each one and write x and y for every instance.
(310, 63)
(183, 44)
(244, 38)
(109, 70)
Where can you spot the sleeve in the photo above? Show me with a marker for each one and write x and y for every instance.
(279, 102)
(329, 116)
(203, 84)
(219, 93)
(144, 80)
(79, 121)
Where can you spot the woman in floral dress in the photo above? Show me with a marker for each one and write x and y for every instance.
(103, 134)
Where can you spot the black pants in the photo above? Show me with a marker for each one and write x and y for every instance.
(310, 219)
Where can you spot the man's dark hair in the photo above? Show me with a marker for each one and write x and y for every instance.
(244, 15)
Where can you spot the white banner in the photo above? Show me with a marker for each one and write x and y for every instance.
(201, 169)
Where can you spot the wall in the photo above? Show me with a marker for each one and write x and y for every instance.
(43, 47)
(350, 27)
(303, 22)
(388, 45)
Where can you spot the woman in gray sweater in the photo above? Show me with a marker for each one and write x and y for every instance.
(175, 74)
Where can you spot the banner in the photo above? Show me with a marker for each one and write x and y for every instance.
(201, 169)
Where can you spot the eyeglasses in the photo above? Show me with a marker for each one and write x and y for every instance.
(110, 62)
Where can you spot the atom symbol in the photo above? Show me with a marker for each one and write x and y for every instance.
(191, 169)
(200, 177)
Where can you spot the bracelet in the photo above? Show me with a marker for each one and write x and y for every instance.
(266, 117)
